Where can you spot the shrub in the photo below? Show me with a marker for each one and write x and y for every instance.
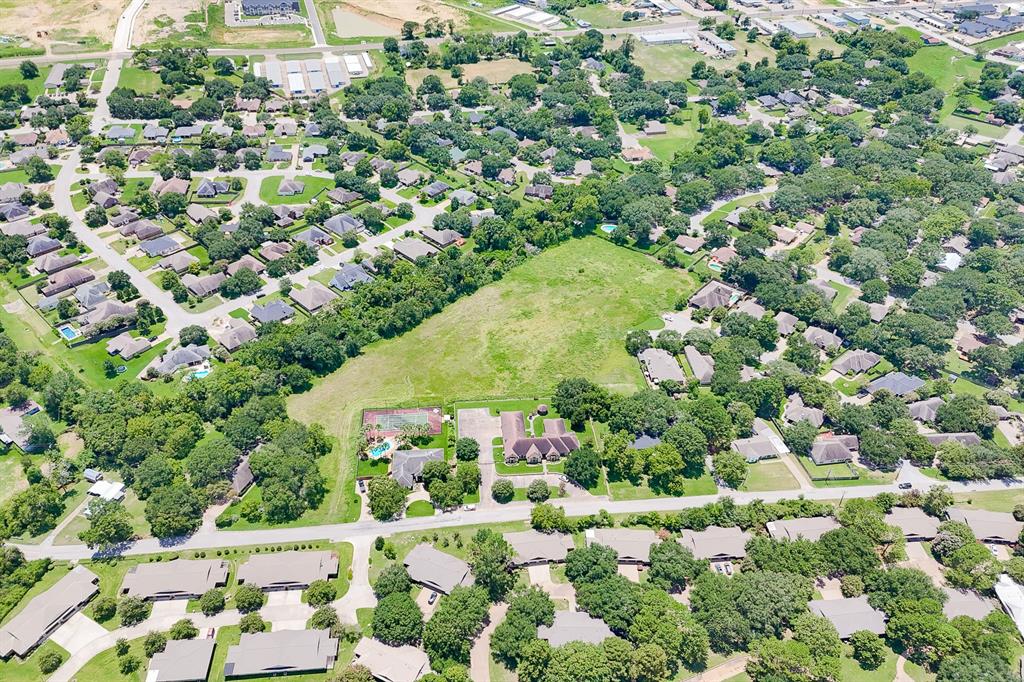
(104, 608)
(49, 661)
(538, 491)
(851, 585)
(128, 664)
(249, 598)
(251, 622)
(212, 602)
(184, 629)
(121, 646)
(320, 592)
(503, 491)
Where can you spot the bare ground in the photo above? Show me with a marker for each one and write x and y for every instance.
(393, 13)
(160, 18)
(50, 23)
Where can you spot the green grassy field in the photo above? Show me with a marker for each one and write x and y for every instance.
(12, 76)
(678, 137)
(139, 80)
(419, 508)
(769, 475)
(561, 314)
(314, 185)
(601, 17)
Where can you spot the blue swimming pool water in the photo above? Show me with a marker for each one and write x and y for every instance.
(379, 450)
(68, 332)
(608, 229)
(200, 374)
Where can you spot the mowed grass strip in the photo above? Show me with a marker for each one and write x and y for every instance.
(563, 313)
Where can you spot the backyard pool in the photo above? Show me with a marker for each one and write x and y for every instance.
(608, 228)
(69, 333)
(381, 449)
(714, 265)
(200, 373)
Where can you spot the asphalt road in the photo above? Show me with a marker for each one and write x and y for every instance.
(214, 538)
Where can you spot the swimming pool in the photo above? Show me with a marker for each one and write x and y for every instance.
(608, 228)
(714, 265)
(378, 451)
(201, 373)
(68, 332)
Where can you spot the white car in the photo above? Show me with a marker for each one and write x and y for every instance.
(469, 507)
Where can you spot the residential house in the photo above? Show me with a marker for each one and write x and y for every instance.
(313, 297)
(555, 443)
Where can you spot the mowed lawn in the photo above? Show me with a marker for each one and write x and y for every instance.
(563, 313)
(313, 186)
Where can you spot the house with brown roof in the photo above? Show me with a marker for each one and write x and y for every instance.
(556, 441)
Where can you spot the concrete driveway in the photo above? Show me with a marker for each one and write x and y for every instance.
(630, 572)
(918, 557)
(76, 634)
(169, 609)
(284, 598)
(478, 424)
(422, 601)
(540, 576)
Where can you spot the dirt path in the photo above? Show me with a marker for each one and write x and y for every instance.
(901, 673)
(731, 668)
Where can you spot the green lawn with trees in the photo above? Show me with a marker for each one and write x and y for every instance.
(501, 341)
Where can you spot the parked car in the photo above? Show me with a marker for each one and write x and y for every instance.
(906, 485)
(470, 507)
(433, 598)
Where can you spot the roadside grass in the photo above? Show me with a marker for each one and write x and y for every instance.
(16, 670)
(769, 474)
(993, 500)
(498, 342)
(419, 508)
(692, 487)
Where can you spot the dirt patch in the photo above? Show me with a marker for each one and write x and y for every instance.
(60, 23)
(15, 307)
(159, 20)
(495, 71)
(394, 13)
(71, 444)
(348, 24)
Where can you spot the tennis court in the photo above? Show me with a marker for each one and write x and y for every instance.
(390, 421)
